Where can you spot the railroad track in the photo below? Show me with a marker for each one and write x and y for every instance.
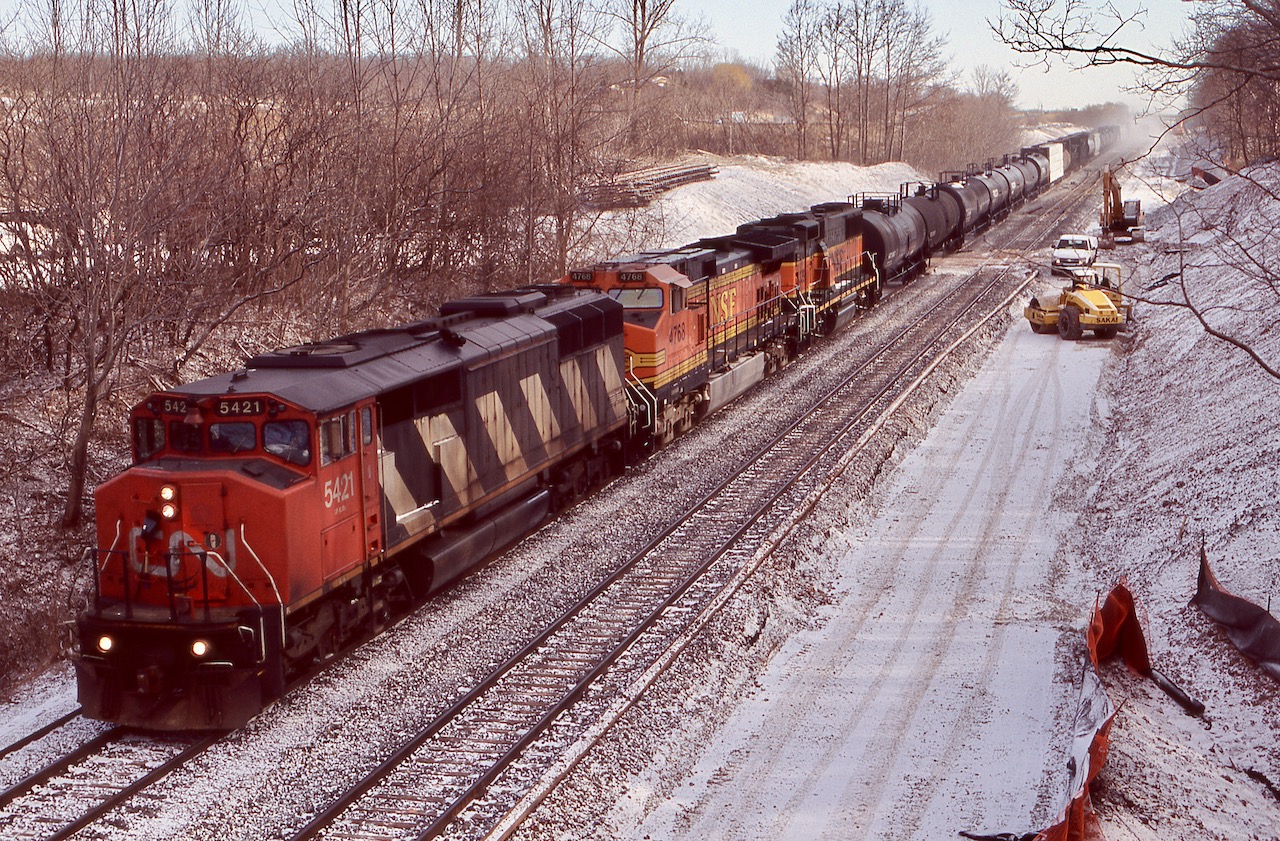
(85, 783)
(441, 782)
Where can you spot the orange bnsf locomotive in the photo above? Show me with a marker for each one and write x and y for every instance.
(274, 514)
(706, 322)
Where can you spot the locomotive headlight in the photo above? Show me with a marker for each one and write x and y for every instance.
(169, 511)
(199, 648)
(168, 493)
(105, 643)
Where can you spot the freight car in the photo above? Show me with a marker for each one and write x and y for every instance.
(275, 513)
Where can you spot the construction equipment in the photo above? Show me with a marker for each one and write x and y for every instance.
(1093, 301)
(1122, 221)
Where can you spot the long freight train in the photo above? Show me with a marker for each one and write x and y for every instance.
(275, 513)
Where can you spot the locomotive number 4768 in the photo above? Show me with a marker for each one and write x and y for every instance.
(339, 489)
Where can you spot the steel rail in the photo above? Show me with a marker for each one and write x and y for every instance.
(331, 813)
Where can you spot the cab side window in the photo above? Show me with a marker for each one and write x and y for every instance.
(148, 437)
(337, 437)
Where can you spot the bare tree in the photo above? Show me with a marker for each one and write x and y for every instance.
(913, 67)
(567, 125)
(107, 154)
(653, 38)
(832, 68)
(1230, 67)
(796, 63)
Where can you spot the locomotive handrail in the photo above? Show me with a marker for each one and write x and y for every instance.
(647, 399)
(209, 553)
(262, 613)
(97, 591)
(114, 540)
(271, 578)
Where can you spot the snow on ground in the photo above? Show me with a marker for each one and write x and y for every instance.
(936, 691)
(747, 188)
(933, 690)
(922, 700)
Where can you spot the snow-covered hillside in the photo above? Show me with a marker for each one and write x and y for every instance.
(1163, 439)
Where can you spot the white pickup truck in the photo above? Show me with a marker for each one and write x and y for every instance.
(1074, 251)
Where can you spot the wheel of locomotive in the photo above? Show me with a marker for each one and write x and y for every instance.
(873, 294)
(1069, 323)
(1105, 332)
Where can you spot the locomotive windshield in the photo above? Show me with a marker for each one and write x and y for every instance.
(232, 437)
(289, 440)
(648, 298)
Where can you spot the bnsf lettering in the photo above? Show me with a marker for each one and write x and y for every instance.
(724, 306)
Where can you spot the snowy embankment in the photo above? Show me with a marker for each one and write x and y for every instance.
(1187, 448)
(936, 691)
(744, 189)
(970, 569)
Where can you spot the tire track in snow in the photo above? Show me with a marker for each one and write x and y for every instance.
(867, 750)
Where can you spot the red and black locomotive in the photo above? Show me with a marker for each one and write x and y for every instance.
(275, 512)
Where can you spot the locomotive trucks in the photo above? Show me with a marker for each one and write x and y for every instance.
(1092, 301)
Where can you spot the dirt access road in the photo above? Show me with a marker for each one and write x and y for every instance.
(935, 694)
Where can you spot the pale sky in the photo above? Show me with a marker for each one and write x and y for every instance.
(750, 28)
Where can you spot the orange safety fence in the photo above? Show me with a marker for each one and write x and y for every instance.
(1113, 629)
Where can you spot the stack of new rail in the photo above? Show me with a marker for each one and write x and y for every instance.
(640, 187)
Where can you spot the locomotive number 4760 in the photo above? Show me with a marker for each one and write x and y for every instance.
(339, 489)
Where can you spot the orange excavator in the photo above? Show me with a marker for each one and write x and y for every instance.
(1122, 221)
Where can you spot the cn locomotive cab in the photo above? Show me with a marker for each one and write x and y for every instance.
(192, 563)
